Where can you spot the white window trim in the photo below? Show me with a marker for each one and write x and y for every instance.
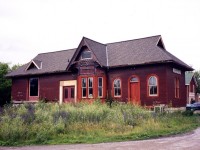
(100, 87)
(83, 87)
(149, 86)
(90, 87)
(117, 88)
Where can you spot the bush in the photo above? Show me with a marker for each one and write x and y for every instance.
(188, 113)
(68, 123)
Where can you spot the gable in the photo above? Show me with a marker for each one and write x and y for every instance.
(89, 47)
(161, 44)
(85, 53)
(34, 64)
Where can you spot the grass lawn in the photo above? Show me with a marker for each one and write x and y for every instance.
(47, 123)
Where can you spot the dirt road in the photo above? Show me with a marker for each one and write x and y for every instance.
(179, 142)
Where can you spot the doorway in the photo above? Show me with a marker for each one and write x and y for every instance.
(135, 90)
(68, 94)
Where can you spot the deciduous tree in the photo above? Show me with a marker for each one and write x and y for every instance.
(197, 76)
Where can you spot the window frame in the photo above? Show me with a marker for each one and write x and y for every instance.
(88, 88)
(30, 88)
(83, 87)
(120, 87)
(177, 87)
(149, 86)
(100, 87)
(86, 52)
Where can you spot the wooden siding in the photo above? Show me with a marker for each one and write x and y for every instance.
(98, 73)
(166, 85)
(182, 100)
(20, 89)
(49, 84)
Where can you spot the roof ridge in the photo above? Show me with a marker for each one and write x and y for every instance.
(93, 41)
(134, 39)
(58, 51)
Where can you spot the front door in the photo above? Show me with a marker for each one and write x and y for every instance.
(135, 90)
(68, 94)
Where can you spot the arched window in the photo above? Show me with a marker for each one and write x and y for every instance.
(153, 86)
(134, 79)
(117, 88)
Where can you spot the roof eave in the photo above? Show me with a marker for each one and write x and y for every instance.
(45, 73)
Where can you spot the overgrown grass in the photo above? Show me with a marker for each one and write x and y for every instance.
(47, 123)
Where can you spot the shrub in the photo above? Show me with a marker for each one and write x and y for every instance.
(188, 113)
(68, 123)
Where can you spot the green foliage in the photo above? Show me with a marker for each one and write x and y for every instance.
(50, 123)
(197, 76)
(5, 83)
(188, 113)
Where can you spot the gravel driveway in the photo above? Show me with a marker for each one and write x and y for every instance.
(179, 142)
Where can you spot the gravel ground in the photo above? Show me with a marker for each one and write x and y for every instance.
(180, 142)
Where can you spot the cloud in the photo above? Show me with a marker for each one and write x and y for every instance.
(35, 26)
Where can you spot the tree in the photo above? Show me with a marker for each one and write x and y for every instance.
(15, 67)
(5, 84)
(197, 76)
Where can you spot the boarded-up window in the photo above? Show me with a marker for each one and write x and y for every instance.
(33, 86)
(177, 92)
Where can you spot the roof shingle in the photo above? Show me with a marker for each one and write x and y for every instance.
(132, 52)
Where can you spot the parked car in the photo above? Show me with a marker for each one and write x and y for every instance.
(193, 107)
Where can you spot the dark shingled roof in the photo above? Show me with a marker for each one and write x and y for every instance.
(125, 53)
(139, 51)
(51, 63)
(98, 49)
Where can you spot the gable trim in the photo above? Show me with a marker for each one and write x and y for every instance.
(92, 52)
(33, 62)
(82, 43)
(163, 45)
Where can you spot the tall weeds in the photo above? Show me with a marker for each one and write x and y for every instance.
(68, 123)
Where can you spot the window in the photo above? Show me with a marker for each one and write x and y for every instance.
(72, 92)
(117, 88)
(177, 94)
(33, 83)
(87, 87)
(134, 79)
(100, 87)
(86, 55)
(153, 86)
(66, 93)
(84, 87)
(90, 87)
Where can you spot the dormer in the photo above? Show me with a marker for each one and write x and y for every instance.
(34, 64)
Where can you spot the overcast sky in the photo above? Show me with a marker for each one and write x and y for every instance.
(30, 27)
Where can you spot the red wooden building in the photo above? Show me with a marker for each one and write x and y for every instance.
(138, 71)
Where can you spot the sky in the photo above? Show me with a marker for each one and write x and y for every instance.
(30, 27)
